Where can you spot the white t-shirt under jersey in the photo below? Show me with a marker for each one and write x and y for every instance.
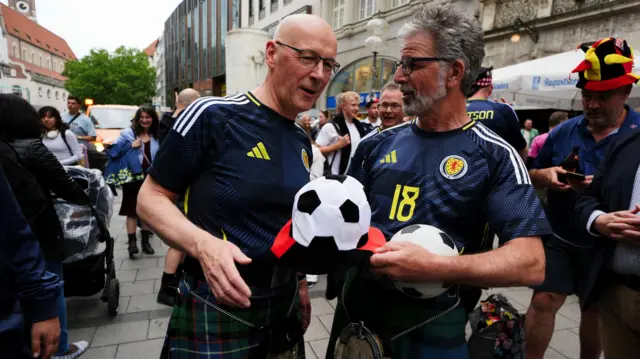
(328, 136)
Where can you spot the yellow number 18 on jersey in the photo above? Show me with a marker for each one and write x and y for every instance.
(400, 212)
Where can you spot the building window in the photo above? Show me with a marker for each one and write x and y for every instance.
(15, 51)
(49, 93)
(214, 41)
(286, 2)
(274, 6)
(196, 43)
(224, 26)
(49, 63)
(40, 92)
(41, 64)
(251, 17)
(338, 13)
(57, 95)
(396, 3)
(235, 13)
(33, 58)
(24, 54)
(358, 76)
(366, 8)
(205, 41)
(16, 90)
(261, 9)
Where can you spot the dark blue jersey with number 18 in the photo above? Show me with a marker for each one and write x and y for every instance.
(499, 118)
(456, 180)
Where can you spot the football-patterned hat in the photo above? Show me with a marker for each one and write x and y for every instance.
(607, 65)
(330, 226)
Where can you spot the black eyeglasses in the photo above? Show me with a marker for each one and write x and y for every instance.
(311, 59)
(408, 63)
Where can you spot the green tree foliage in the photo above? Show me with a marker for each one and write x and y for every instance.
(123, 77)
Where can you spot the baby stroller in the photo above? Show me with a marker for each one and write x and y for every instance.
(87, 269)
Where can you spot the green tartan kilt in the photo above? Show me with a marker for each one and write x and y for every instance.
(196, 330)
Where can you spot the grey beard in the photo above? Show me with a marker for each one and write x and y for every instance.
(422, 104)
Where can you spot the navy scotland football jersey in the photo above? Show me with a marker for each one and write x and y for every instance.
(242, 164)
(498, 117)
(457, 181)
(367, 143)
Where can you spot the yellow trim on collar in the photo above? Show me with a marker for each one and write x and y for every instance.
(252, 99)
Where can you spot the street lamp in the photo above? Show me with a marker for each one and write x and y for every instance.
(374, 43)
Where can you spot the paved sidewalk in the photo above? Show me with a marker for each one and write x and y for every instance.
(138, 330)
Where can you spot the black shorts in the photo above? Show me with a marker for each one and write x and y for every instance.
(567, 269)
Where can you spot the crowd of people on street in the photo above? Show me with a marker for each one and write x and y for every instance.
(215, 179)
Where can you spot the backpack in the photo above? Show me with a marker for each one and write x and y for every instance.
(26, 188)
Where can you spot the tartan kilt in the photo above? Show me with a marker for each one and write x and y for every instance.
(197, 330)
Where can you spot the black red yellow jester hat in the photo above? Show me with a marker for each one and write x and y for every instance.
(607, 65)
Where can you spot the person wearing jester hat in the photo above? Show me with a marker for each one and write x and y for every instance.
(605, 82)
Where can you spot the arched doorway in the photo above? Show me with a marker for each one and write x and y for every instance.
(358, 76)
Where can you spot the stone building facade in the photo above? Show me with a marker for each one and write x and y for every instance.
(349, 20)
(561, 25)
(36, 57)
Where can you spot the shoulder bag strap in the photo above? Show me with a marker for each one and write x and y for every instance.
(333, 158)
(64, 139)
(74, 118)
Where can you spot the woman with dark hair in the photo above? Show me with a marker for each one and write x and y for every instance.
(58, 137)
(130, 157)
(323, 118)
(21, 129)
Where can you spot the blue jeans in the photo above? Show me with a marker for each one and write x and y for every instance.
(55, 267)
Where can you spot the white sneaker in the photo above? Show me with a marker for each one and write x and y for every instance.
(82, 347)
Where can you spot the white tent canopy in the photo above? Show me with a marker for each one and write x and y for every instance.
(546, 83)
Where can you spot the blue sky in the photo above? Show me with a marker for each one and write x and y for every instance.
(87, 24)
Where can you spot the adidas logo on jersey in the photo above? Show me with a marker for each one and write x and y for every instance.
(389, 158)
(259, 152)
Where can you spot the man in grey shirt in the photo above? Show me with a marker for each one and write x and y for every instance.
(79, 123)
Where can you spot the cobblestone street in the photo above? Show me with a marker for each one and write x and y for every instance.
(139, 328)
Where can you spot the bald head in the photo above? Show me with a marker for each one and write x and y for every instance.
(187, 96)
(303, 27)
(300, 58)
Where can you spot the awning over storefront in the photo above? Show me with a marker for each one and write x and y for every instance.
(547, 83)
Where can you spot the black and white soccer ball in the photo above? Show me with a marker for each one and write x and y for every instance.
(331, 208)
(435, 241)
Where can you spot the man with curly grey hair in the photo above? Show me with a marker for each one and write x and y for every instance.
(450, 172)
